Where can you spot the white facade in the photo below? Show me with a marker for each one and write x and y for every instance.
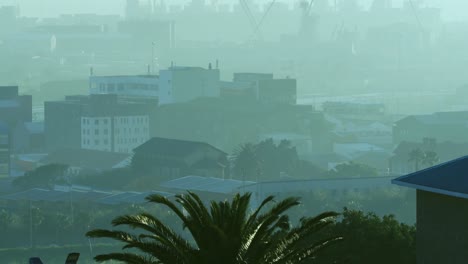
(137, 85)
(188, 83)
(117, 134)
(173, 85)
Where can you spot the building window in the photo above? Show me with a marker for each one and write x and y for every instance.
(105, 121)
(96, 131)
(106, 131)
(96, 142)
(96, 122)
(84, 121)
(106, 142)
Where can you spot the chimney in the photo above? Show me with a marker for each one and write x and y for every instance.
(209, 66)
(149, 69)
(91, 71)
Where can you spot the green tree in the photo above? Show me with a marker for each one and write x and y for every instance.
(430, 158)
(374, 239)
(245, 161)
(223, 233)
(257, 161)
(352, 169)
(44, 176)
(416, 156)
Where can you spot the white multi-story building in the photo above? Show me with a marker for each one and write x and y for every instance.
(114, 133)
(173, 85)
(99, 122)
(130, 85)
(188, 83)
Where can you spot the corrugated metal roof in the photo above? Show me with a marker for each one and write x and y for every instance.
(82, 195)
(318, 184)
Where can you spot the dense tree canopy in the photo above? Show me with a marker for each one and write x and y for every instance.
(44, 176)
(352, 169)
(372, 239)
(268, 160)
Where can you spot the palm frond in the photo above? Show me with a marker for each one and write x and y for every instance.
(129, 258)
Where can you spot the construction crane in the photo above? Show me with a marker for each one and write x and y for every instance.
(256, 26)
(307, 7)
(308, 20)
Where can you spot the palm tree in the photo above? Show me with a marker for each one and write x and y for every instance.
(223, 233)
(430, 158)
(416, 156)
(246, 162)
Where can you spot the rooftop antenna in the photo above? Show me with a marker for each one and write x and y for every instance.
(91, 71)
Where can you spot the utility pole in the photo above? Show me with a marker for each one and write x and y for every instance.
(30, 224)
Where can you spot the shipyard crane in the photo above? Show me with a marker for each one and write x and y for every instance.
(308, 20)
(256, 26)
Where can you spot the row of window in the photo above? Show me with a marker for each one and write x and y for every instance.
(125, 130)
(133, 120)
(86, 121)
(129, 130)
(122, 120)
(96, 132)
(111, 87)
(129, 140)
(97, 142)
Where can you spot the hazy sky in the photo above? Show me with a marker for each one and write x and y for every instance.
(453, 9)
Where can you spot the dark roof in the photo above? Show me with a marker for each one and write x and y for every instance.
(207, 164)
(85, 158)
(449, 178)
(439, 118)
(172, 147)
(81, 194)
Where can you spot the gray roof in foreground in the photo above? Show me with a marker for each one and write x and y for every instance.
(206, 184)
(82, 195)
